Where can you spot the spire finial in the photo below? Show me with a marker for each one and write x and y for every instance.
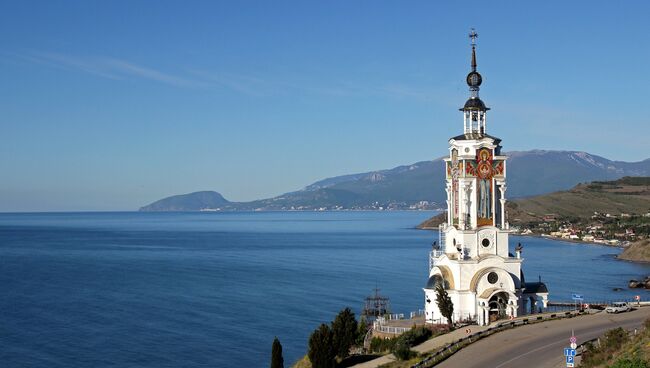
(473, 36)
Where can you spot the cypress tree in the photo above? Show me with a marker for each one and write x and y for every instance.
(277, 361)
(344, 330)
(321, 348)
(445, 305)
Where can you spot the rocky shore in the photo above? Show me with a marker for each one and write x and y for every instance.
(638, 251)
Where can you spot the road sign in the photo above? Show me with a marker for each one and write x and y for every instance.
(637, 297)
(573, 345)
(569, 359)
(575, 296)
(573, 340)
(569, 352)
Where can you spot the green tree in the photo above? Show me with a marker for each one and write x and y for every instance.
(277, 361)
(361, 332)
(344, 330)
(321, 348)
(445, 305)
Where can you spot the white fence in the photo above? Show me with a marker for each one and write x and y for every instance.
(392, 330)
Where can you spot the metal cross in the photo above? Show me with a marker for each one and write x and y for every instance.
(473, 36)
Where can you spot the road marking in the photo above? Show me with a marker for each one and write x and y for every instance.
(526, 353)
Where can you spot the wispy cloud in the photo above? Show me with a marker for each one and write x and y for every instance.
(108, 67)
(245, 84)
(250, 85)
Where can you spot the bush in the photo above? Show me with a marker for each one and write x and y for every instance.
(635, 362)
(610, 343)
(402, 350)
(614, 339)
(416, 336)
(379, 345)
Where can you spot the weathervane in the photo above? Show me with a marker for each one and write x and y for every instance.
(473, 36)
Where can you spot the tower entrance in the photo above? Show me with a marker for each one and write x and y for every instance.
(498, 304)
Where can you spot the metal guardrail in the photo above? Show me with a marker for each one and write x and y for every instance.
(451, 348)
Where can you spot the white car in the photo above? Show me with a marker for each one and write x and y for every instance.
(618, 307)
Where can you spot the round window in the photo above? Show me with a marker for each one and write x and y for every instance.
(493, 277)
(485, 242)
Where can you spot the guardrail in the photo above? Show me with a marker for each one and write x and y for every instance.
(451, 348)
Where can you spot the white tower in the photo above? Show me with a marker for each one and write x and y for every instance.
(472, 260)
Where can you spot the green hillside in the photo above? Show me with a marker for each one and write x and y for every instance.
(626, 195)
(629, 195)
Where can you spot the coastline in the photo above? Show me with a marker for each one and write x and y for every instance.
(575, 241)
(544, 237)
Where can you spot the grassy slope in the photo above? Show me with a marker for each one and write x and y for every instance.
(626, 195)
(620, 354)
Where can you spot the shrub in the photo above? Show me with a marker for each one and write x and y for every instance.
(614, 339)
(379, 345)
(635, 362)
(402, 350)
(415, 336)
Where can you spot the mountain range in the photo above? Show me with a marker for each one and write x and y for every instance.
(421, 185)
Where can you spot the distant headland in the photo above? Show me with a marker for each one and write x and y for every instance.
(418, 186)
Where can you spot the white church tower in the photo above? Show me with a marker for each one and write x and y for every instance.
(472, 260)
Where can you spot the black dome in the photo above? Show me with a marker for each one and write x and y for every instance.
(475, 103)
(536, 287)
(434, 281)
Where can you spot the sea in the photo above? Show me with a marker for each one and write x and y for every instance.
(213, 289)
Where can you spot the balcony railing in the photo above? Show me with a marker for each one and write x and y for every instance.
(433, 257)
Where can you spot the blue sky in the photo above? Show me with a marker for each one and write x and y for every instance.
(109, 105)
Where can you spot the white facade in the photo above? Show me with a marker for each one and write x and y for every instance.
(472, 259)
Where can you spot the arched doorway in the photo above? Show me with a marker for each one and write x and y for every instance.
(498, 305)
(533, 305)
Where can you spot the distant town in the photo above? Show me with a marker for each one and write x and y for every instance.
(602, 228)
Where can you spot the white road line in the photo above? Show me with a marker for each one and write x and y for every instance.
(529, 352)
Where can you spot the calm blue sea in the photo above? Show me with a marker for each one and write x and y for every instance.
(213, 289)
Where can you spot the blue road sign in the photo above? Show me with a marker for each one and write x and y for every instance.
(569, 359)
(569, 352)
(576, 296)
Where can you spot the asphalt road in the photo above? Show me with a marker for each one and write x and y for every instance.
(541, 345)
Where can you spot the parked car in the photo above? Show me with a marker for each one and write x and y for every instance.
(618, 307)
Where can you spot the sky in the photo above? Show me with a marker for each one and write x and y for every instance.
(110, 105)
